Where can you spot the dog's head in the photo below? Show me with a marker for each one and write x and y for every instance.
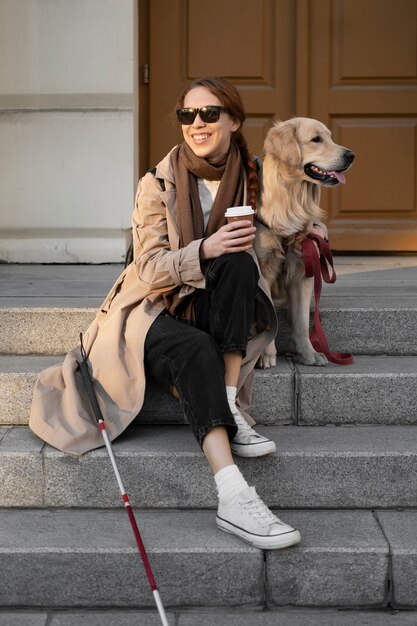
(304, 148)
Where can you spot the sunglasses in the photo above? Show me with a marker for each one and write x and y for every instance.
(208, 114)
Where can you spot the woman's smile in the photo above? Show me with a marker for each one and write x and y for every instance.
(201, 138)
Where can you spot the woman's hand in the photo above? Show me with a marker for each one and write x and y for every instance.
(234, 237)
(298, 242)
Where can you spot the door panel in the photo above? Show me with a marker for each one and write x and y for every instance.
(377, 28)
(362, 79)
(241, 40)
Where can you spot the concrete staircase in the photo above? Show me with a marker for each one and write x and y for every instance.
(345, 474)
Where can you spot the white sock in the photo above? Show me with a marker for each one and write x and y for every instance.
(231, 396)
(229, 482)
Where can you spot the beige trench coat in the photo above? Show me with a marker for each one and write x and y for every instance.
(114, 342)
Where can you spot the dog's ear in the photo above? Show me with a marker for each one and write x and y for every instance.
(281, 143)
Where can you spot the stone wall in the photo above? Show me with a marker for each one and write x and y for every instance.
(68, 109)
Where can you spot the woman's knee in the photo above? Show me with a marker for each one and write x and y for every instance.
(239, 263)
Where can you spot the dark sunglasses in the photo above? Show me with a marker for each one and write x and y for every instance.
(208, 114)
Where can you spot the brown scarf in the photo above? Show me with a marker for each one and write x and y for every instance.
(187, 168)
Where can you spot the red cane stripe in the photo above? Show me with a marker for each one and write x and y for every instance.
(102, 426)
(125, 497)
(141, 549)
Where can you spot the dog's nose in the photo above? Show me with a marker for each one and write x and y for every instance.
(349, 156)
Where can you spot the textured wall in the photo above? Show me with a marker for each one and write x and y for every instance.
(67, 128)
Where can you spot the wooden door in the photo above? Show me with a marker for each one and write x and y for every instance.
(250, 43)
(350, 63)
(358, 74)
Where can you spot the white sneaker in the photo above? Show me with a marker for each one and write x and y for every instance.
(249, 518)
(247, 442)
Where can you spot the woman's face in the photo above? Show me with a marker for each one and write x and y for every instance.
(207, 141)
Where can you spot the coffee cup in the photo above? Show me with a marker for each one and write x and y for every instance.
(236, 213)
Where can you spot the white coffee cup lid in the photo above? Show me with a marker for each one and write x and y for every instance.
(236, 211)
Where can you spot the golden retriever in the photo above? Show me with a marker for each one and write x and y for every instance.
(300, 156)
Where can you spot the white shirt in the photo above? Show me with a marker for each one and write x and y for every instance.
(207, 190)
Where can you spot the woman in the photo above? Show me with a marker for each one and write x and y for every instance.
(182, 313)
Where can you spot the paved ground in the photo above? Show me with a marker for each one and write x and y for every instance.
(360, 279)
(286, 617)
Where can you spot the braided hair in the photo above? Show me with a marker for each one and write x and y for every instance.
(230, 98)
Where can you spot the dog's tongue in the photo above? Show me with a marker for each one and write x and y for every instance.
(339, 177)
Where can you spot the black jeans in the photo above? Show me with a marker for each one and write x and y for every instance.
(190, 357)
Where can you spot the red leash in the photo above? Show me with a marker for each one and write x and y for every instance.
(317, 266)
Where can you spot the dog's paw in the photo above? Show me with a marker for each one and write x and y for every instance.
(266, 361)
(312, 358)
(268, 357)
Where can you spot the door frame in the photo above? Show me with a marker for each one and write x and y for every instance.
(142, 137)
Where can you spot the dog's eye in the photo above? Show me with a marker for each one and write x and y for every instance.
(317, 139)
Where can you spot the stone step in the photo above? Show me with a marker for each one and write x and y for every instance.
(210, 617)
(379, 328)
(88, 559)
(18, 375)
(44, 331)
(348, 558)
(371, 309)
(314, 467)
(17, 379)
(374, 390)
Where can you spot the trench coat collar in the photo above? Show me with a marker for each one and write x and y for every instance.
(165, 170)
